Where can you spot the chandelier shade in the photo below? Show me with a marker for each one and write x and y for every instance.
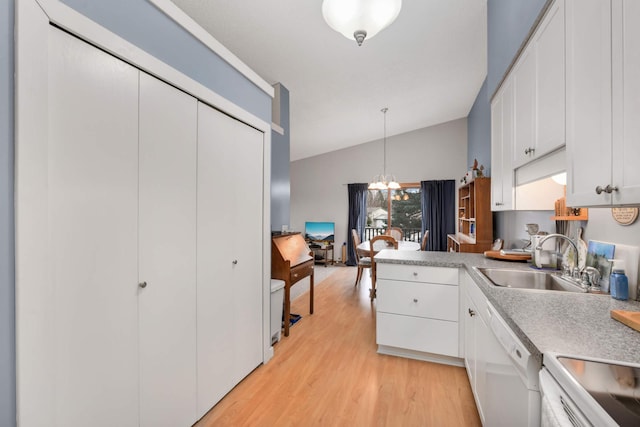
(360, 19)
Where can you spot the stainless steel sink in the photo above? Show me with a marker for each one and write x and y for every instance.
(529, 279)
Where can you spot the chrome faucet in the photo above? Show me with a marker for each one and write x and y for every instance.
(575, 271)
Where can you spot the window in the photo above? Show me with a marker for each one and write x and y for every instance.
(398, 208)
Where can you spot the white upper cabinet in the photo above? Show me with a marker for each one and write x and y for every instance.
(626, 101)
(603, 93)
(501, 142)
(539, 90)
(550, 80)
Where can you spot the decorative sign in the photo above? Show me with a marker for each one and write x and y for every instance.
(625, 216)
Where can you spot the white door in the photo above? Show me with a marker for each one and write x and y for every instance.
(588, 66)
(229, 253)
(626, 104)
(93, 223)
(167, 255)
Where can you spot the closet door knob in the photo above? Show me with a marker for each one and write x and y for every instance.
(142, 284)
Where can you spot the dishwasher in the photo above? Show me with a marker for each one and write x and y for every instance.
(584, 392)
(511, 377)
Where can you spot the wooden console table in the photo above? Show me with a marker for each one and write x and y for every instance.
(324, 251)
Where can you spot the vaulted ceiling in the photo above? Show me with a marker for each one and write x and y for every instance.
(427, 67)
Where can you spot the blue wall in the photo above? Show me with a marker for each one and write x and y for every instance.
(479, 131)
(140, 23)
(280, 167)
(7, 276)
(508, 23)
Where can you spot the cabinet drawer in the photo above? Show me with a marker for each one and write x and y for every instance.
(417, 333)
(300, 272)
(417, 273)
(418, 299)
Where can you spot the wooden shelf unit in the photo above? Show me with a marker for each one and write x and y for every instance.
(475, 219)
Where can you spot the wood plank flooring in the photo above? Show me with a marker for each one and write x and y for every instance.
(327, 373)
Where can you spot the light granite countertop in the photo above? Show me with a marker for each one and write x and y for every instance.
(545, 321)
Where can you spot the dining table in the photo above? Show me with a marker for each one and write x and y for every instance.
(364, 248)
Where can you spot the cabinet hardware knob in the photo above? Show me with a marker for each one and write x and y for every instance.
(499, 203)
(415, 300)
(609, 189)
(472, 313)
(415, 273)
(518, 354)
(234, 262)
(599, 190)
(529, 150)
(142, 284)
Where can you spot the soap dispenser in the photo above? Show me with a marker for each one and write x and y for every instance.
(618, 282)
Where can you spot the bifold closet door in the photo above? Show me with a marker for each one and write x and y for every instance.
(230, 239)
(167, 255)
(93, 227)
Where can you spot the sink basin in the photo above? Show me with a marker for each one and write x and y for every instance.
(529, 279)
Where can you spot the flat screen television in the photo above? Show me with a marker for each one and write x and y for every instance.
(319, 231)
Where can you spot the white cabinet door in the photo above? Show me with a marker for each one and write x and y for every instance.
(524, 80)
(626, 101)
(501, 148)
(550, 81)
(229, 271)
(588, 67)
(167, 254)
(93, 223)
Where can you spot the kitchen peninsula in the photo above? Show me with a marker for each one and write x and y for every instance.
(545, 321)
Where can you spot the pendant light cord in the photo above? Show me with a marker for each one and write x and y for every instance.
(384, 144)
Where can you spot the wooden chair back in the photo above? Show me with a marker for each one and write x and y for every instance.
(393, 243)
(425, 239)
(395, 232)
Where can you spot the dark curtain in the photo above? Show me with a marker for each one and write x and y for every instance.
(438, 212)
(357, 217)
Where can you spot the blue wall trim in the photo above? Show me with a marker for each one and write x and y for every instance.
(143, 25)
(7, 235)
(479, 131)
(508, 23)
(281, 168)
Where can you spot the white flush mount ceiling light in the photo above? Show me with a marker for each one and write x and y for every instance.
(360, 18)
(384, 181)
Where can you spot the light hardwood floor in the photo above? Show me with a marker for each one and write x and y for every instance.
(327, 373)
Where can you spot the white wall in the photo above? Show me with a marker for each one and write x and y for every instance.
(318, 184)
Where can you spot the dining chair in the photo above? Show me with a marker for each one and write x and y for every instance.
(392, 243)
(425, 238)
(395, 232)
(363, 261)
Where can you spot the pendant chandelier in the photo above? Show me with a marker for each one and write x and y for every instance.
(360, 18)
(384, 181)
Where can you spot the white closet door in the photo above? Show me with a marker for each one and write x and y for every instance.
(229, 254)
(93, 219)
(167, 255)
(246, 202)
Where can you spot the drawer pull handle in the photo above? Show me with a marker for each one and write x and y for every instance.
(472, 313)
